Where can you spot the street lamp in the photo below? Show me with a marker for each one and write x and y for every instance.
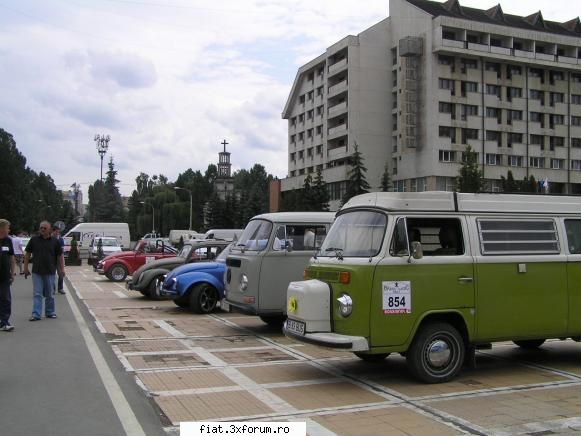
(177, 188)
(102, 142)
(153, 216)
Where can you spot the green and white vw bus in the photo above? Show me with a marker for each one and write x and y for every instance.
(433, 275)
(273, 251)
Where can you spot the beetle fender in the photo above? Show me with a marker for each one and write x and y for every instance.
(186, 281)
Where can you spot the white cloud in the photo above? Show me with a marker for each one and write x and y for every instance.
(167, 82)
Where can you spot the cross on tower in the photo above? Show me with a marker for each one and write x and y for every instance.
(224, 144)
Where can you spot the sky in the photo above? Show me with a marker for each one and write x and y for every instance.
(169, 80)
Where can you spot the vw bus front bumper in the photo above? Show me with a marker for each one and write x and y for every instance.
(328, 340)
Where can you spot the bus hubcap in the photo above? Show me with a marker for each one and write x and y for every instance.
(438, 354)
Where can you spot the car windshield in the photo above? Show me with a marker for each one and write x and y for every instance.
(185, 251)
(255, 236)
(355, 234)
(109, 242)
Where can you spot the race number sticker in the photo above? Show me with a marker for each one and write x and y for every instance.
(397, 298)
(149, 259)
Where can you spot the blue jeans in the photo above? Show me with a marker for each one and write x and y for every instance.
(5, 302)
(43, 285)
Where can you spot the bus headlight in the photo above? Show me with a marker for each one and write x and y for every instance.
(345, 305)
(243, 282)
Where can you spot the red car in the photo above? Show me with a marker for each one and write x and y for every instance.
(120, 265)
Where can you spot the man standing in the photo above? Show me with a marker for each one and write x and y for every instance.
(18, 251)
(48, 258)
(56, 232)
(7, 272)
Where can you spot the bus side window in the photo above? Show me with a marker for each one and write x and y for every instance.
(438, 236)
(399, 242)
(573, 228)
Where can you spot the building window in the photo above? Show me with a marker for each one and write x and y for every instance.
(319, 130)
(536, 94)
(320, 110)
(302, 172)
(469, 134)
(445, 60)
(493, 112)
(293, 173)
(336, 190)
(576, 165)
(576, 99)
(320, 91)
(446, 84)
(319, 149)
(293, 139)
(293, 157)
(293, 121)
(557, 164)
(465, 157)
(394, 166)
(557, 97)
(576, 78)
(310, 133)
(493, 90)
(537, 72)
(512, 92)
(399, 186)
(310, 152)
(494, 136)
(493, 159)
(471, 64)
(538, 140)
(310, 114)
(537, 162)
(556, 141)
(576, 142)
(445, 108)
(514, 138)
(514, 116)
(537, 117)
(575, 121)
(555, 120)
(446, 184)
(556, 75)
(301, 118)
(513, 70)
(310, 170)
(447, 156)
(515, 161)
(394, 56)
(466, 87)
(493, 66)
(302, 99)
(302, 136)
(310, 95)
(446, 132)
(469, 110)
(301, 155)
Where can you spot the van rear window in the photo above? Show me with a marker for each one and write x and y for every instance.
(509, 236)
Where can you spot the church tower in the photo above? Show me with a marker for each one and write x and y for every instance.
(224, 183)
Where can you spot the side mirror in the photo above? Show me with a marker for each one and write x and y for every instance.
(417, 250)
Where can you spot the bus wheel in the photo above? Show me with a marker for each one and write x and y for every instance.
(372, 357)
(273, 321)
(437, 353)
(531, 344)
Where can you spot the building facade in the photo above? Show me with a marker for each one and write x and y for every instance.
(416, 89)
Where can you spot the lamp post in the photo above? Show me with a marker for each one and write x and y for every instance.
(102, 142)
(152, 216)
(177, 188)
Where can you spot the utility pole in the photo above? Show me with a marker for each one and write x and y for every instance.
(102, 142)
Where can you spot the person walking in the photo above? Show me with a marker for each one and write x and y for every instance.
(48, 258)
(18, 251)
(7, 272)
(56, 232)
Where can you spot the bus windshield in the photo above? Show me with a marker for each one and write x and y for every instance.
(255, 236)
(355, 234)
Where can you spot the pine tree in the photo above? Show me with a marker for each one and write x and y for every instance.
(470, 176)
(386, 180)
(308, 195)
(357, 182)
(509, 185)
(321, 193)
(529, 185)
(112, 199)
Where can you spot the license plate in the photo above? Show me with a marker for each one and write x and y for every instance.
(296, 327)
(224, 306)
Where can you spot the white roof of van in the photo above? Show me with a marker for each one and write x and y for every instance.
(298, 217)
(438, 201)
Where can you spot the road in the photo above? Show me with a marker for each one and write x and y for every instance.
(49, 382)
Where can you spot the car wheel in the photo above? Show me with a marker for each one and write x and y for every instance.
(367, 357)
(182, 301)
(117, 273)
(530, 344)
(203, 298)
(274, 321)
(437, 353)
(152, 289)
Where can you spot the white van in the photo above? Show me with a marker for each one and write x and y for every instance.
(84, 233)
(175, 235)
(224, 234)
(273, 251)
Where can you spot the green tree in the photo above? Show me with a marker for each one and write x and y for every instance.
(529, 185)
(385, 180)
(357, 182)
(308, 195)
(470, 175)
(112, 197)
(320, 192)
(508, 183)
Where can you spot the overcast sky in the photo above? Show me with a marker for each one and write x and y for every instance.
(168, 80)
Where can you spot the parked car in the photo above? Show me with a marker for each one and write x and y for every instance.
(197, 286)
(84, 233)
(118, 266)
(109, 246)
(145, 279)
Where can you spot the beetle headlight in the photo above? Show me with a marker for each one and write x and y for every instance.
(345, 305)
(243, 282)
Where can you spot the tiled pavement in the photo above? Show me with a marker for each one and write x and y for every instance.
(233, 367)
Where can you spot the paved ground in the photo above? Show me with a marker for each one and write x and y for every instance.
(233, 367)
(49, 383)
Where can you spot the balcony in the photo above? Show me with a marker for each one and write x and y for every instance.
(478, 47)
(338, 109)
(453, 43)
(500, 50)
(336, 89)
(338, 66)
(337, 153)
(338, 130)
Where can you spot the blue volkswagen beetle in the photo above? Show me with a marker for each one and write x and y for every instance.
(197, 286)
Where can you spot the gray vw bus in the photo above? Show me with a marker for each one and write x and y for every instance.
(273, 251)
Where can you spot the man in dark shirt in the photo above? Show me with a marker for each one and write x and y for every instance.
(56, 232)
(7, 271)
(48, 258)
